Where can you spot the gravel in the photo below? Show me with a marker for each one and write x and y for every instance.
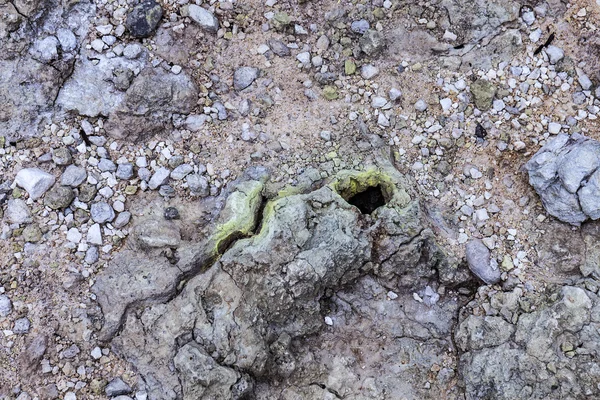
(204, 18)
(102, 212)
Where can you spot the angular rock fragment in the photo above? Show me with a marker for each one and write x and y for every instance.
(143, 20)
(35, 181)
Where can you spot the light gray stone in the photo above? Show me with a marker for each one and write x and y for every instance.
(159, 178)
(117, 387)
(18, 212)
(204, 18)
(35, 181)
(555, 54)
(102, 212)
(244, 76)
(5, 305)
(73, 176)
(480, 263)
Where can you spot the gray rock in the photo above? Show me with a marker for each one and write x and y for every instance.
(122, 219)
(132, 51)
(204, 18)
(144, 18)
(107, 165)
(67, 39)
(198, 185)
(31, 357)
(279, 48)
(159, 178)
(478, 259)
(483, 94)
(70, 352)
(125, 171)
(563, 173)
(45, 50)
(369, 71)
(102, 212)
(421, 105)
(117, 387)
(18, 212)
(35, 181)
(181, 171)
(157, 233)
(555, 54)
(59, 197)
(195, 122)
(22, 326)
(150, 101)
(62, 156)
(92, 255)
(372, 42)
(244, 76)
(360, 26)
(5, 306)
(73, 176)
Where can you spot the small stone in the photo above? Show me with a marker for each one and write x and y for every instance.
(528, 16)
(5, 306)
(483, 93)
(96, 353)
(446, 104)
(555, 54)
(360, 26)
(125, 171)
(204, 18)
(198, 185)
(132, 51)
(35, 181)
(22, 326)
(143, 20)
(372, 42)
(67, 39)
(94, 235)
(369, 71)
(18, 212)
(181, 171)
(243, 77)
(194, 123)
(159, 178)
(107, 165)
(62, 156)
(91, 255)
(32, 233)
(395, 94)
(74, 236)
(73, 176)
(328, 321)
(585, 82)
(102, 212)
(117, 387)
(171, 213)
(349, 67)
(122, 219)
(554, 128)
(478, 259)
(420, 106)
(279, 48)
(59, 197)
(71, 351)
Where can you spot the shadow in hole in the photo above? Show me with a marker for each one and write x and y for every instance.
(368, 200)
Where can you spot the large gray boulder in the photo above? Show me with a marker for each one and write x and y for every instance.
(565, 175)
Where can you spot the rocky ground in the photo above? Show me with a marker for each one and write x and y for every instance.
(299, 200)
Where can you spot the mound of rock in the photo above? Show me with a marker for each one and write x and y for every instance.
(565, 174)
(224, 324)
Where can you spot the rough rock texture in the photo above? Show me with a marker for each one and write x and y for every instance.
(150, 102)
(239, 319)
(520, 351)
(565, 174)
(34, 67)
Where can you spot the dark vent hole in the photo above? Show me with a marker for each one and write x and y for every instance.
(369, 200)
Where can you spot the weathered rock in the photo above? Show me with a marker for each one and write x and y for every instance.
(480, 263)
(157, 233)
(35, 181)
(59, 197)
(159, 178)
(117, 387)
(18, 212)
(279, 48)
(5, 305)
(483, 94)
(243, 77)
(204, 18)
(149, 103)
(144, 18)
(73, 176)
(102, 212)
(565, 174)
(62, 156)
(372, 42)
